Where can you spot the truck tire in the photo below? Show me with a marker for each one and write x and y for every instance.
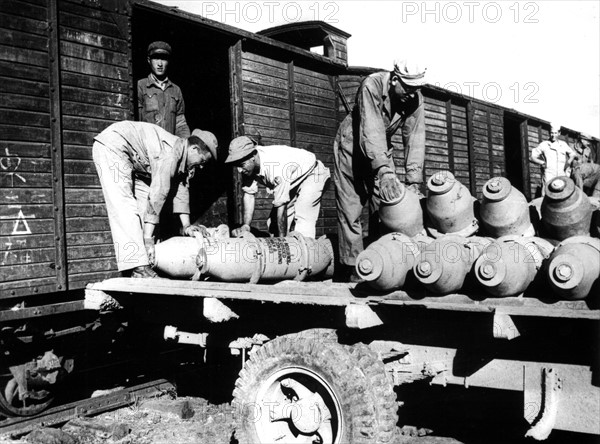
(303, 388)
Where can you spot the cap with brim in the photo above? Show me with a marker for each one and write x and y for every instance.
(412, 74)
(209, 140)
(156, 48)
(239, 148)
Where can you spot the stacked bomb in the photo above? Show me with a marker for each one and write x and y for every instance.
(506, 260)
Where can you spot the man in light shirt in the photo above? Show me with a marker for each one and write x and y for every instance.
(554, 156)
(139, 164)
(294, 176)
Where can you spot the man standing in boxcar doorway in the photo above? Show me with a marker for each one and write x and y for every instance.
(160, 101)
(554, 157)
(364, 167)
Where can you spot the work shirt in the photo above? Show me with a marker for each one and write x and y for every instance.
(163, 107)
(556, 155)
(155, 155)
(282, 168)
(378, 124)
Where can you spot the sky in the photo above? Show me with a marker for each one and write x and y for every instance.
(541, 58)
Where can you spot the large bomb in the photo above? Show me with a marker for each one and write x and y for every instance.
(245, 259)
(403, 214)
(566, 210)
(449, 206)
(508, 265)
(444, 264)
(574, 267)
(504, 210)
(385, 264)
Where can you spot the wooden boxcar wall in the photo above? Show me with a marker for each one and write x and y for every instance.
(288, 104)
(65, 76)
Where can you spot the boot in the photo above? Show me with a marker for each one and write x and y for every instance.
(143, 272)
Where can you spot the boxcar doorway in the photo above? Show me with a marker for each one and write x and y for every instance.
(513, 152)
(199, 65)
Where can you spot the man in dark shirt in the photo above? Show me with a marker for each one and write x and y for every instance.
(138, 163)
(160, 101)
(585, 173)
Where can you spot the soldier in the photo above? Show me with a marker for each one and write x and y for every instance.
(554, 156)
(294, 176)
(364, 169)
(585, 173)
(160, 101)
(139, 164)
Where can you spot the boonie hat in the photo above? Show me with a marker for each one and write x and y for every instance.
(239, 148)
(159, 48)
(410, 72)
(209, 140)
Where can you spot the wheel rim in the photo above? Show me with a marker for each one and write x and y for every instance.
(297, 405)
(11, 404)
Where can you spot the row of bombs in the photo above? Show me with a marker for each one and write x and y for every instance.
(510, 246)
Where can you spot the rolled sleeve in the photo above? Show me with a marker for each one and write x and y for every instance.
(373, 139)
(249, 186)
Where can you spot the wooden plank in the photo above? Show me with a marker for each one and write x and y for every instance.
(23, 24)
(79, 167)
(321, 82)
(73, 196)
(265, 90)
(85, 124)
(24, 87)
(269, 122)
(21, 9)
(84, 23)
(316, 92)
(93, 39)
(261, 79)
(100, 55)
(26, 224)
(90, 252)
(26, 40)
(19, 196)
(23, 272)
(263, 100)
(101, 98)
(94, 68)
(96, 83)
(315, 100)
(88, 238)
(261, 68)
(316, 110)
(23, 72)
(25, 180)
(23, 55)
(315, 129)
(266, 111)
(87, 224)
(249, 56)
(24, 118)
(81, 180)
(85, 210)
(25, 257)
(101, 113)
(19, 102)
(14, 212)
(77, 152)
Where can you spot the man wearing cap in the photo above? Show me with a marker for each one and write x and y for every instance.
(160, 101)
(294, 176)
(585, 173)
(364, 168)
(140, 165)
(554, 156)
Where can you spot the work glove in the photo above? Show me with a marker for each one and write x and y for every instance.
(390, 187)
(149, 244)
(238, 232)
(190, 230)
